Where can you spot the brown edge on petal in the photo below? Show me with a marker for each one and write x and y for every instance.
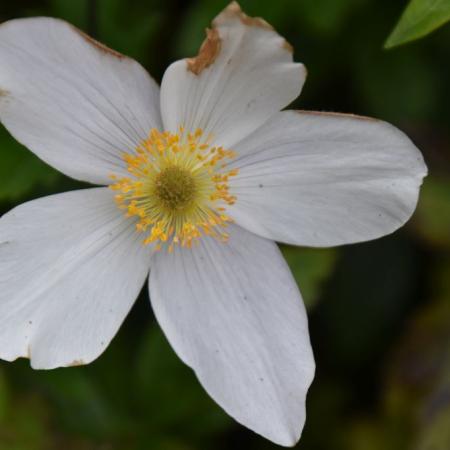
(288, 46)
(336, 114)
(3, 93)
(234, 11)
(98, 45)
(211, 46)
(76, 362)
(207, 54)
(105, 49)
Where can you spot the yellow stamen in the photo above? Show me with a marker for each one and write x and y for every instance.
(178, 188)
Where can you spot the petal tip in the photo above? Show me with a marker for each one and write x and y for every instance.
(285, 435)
(211, 46)
(233, 11)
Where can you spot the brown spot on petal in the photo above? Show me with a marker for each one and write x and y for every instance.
(3, 92)
(98, 45)
(207, 54)
(336, 114)
(76, 362)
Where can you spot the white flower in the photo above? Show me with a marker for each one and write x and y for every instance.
(209, 172)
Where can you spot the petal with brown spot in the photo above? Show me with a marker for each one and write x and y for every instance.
(207, 54)
(243, 75)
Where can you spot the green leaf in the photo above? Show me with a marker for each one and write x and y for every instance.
(420, 18)
(20, 170)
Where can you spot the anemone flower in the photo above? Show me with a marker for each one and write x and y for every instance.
(204, 174)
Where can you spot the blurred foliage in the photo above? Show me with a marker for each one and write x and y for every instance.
(311, 268)
(433, 212)
(379, 311)
(420, 18)
(20, 171)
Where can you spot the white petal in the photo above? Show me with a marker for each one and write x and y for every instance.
(234, 314)
(75, 103)
(322, 179)
(71, 267)
(243, 75)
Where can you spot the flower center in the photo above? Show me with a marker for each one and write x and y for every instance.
(178, 188)
(175, 188)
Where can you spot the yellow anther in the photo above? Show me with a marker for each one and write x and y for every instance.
(176, 190)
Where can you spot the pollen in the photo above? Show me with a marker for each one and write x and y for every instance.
(177, 189)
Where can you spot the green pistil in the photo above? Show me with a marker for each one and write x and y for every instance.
(175, 188)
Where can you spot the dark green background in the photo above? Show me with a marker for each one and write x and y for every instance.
(379, 311)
